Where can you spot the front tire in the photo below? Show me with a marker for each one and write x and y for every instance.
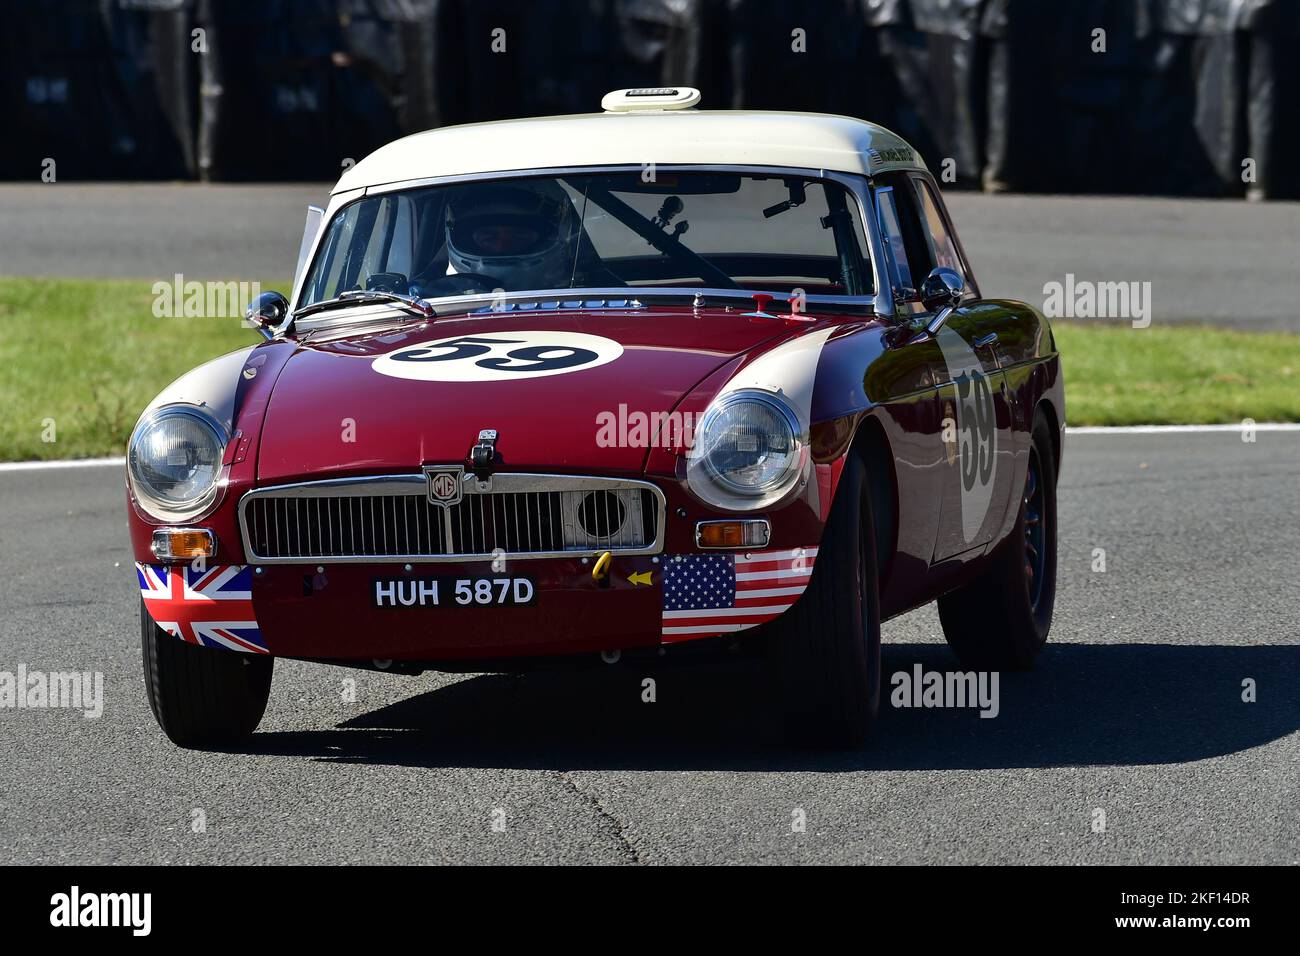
(826, 648)
(202, 696)
(1000, 620)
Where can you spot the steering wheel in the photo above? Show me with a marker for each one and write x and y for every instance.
(487, 283)
(458, 282)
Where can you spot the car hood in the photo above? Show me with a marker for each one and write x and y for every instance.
(392, 400)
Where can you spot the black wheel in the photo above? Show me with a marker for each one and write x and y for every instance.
(202, 696)
(826, 648)
(1001, 619)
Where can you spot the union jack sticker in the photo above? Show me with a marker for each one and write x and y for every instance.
(212, 607)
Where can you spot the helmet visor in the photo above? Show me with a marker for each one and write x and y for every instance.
(495, 234)
(504, 221)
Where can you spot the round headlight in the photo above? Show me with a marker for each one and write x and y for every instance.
(748, 446)
(174, 461)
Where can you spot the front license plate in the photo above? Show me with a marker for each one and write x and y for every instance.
(452, 592)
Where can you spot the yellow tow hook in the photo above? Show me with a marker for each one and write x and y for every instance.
(600, 571)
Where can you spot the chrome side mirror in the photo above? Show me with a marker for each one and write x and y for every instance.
(267, 313)
(940, 293)
(942, 287)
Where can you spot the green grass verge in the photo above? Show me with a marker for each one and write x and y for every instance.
(89, 355)
(1177, 375)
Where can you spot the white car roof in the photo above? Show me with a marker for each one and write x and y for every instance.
(663, 137)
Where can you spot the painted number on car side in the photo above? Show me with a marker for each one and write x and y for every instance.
(977, 428)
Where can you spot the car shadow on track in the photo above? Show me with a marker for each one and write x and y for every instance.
(1083, 704)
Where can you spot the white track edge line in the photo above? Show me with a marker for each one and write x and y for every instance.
(67, 463)
(1177, 429)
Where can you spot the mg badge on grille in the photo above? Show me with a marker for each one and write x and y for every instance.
(444, 483)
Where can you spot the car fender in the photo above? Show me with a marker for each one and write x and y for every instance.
(211, 386)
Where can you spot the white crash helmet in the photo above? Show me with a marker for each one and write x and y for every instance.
(522, 234)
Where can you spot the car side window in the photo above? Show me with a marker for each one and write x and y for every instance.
(900, 224)
(334, 255)
(892, 231)
(943, 251)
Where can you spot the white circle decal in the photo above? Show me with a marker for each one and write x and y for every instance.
(498, 357)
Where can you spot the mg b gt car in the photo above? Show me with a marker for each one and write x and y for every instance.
(601, 385)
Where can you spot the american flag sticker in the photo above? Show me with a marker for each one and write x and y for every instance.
(710, 594)
(212, 607)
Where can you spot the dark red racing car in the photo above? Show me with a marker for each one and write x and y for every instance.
(603, 384)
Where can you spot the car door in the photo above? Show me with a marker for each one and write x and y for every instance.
(905, 373)
(979, 419)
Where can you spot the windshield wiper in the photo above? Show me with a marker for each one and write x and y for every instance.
(408, 303)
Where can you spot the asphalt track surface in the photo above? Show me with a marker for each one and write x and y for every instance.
(1219, 261)
(1135, 710)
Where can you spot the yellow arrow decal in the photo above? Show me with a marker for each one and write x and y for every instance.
(642, 577)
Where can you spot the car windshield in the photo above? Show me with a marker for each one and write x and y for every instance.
(710, 230)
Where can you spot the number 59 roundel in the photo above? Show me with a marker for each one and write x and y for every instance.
(976, 427)
(499, 357)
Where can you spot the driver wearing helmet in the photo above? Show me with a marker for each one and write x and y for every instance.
(519, 236)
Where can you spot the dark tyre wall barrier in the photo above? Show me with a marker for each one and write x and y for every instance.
(104, 90)
(291, 89)
(1192, 97)
(1162, 109)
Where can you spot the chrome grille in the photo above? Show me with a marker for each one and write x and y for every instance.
(392, 519)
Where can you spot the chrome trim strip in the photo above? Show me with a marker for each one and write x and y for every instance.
(415, 485)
